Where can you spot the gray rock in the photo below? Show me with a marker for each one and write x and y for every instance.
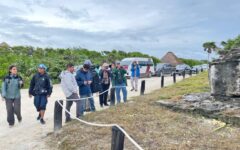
(204, 104)
(196, 97)
(225, 76)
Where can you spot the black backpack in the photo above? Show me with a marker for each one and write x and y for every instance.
(96, 85)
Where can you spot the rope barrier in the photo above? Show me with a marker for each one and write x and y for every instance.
(84, 98)
(104, 125)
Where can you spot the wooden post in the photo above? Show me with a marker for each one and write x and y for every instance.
(117, 139)
(112, 96)
(58, 115)
(174, 77)
(183, 74)
(142, 87)
(162, 81)
(190, 72)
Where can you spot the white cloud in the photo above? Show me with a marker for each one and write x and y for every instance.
(153, 26)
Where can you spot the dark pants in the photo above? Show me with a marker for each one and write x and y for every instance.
(103, 97)
(40, 102)
(13, 106)
(79, 105)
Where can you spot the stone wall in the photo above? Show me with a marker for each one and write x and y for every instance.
(225, 75)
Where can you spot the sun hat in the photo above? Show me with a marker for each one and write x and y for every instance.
(105, 65)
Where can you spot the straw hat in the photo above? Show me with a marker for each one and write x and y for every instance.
(105, 65)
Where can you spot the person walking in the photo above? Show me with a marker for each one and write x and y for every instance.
(11, 85)
(41, 89)
(84, 81)
(119, 81)
(135, 74)
(70, 89)
(105, 77)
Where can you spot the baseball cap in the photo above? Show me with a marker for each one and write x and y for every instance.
(42, 66)
(88, 62)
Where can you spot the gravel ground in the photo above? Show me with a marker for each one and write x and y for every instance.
(29, 134)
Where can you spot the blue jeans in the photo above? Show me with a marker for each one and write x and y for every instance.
(40, 102)
(124, 91)
(90, 100)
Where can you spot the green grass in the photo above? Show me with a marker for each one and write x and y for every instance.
(151, 126)
(196, 84)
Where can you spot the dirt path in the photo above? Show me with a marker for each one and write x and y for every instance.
(28, 135)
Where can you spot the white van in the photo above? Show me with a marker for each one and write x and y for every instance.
(146, 66)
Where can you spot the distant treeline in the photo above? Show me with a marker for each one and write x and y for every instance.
(27, 58)
(192, 62)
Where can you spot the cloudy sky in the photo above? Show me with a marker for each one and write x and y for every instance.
(149, 26)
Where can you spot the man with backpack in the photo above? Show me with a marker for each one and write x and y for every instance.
(84, 80)
(41, 89)
(96, 84)
(105, 84)
(119, 81)
(70, 89)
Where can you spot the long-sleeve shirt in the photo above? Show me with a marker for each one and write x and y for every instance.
(68, 83)
(40, 85)
(81, 77)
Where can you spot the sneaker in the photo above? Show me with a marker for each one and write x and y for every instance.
(106, 105)
(87, 110)
(68, 120)
(136, 90)
(11, 125)
(101, 105)
(42, 121)
(39, 117)
(20, 120)
(132, 89)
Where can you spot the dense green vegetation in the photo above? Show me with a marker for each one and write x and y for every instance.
(224, 47)
(231, 43)
(193, 62)
(27, 58)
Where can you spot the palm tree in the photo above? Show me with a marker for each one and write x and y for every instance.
(223, 43)
(209, 47)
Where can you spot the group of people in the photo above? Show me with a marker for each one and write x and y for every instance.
(40, 88)
(78, 87)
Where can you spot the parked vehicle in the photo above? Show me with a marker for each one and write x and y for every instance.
(146, 66)
(164, 69)
(205, 66)
(181, 68)
(196, 69)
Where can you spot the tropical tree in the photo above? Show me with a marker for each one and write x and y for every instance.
(209, 47)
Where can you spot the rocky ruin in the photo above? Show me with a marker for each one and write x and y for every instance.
(225, 76)
(223, 101)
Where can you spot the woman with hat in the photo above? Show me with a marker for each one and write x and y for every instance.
(105, 84)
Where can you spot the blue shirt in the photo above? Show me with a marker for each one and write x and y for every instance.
(82, 76)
